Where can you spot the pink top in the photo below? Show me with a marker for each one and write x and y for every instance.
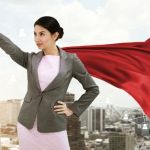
(48, 69)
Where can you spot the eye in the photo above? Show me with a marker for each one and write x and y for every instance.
(34, 34)
(42, 34)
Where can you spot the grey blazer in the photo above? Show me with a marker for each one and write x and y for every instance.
(40, 103)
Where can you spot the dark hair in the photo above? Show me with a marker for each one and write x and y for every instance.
(51, 24)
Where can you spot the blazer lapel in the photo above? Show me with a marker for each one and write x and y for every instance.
(57, 79)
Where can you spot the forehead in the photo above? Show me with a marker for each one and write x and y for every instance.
(38, 28)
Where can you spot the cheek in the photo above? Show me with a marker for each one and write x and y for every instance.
(35, 39)
(47, 41)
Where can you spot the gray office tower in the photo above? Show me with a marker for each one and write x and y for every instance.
(76, 139)
(96, 119)
(121, 141)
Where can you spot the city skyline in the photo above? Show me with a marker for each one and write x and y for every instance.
(94, 128)
(102, 24)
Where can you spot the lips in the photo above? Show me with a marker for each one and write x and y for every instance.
(38, 44)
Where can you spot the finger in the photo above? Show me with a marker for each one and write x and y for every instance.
(60, 102)
(61, 112)
(58, 106)
(59, 109)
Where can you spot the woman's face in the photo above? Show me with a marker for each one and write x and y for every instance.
(43, 38)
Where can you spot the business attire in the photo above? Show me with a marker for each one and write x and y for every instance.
(38, 104)
(47, 70)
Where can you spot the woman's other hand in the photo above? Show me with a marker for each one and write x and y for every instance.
(61, 108)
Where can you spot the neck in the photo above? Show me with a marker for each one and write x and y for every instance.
(51, 51)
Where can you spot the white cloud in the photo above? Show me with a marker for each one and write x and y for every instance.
(117, 21)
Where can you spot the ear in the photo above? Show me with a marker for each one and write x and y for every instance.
(55, 35)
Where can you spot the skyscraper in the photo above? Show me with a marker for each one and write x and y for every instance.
(76, 139)
(96, 119)
(121, 141)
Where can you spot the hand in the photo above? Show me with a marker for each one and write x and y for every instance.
(62, 109)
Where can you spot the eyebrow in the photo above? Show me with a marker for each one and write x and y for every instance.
(39, 32)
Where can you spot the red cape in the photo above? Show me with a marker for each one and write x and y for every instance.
(124, 65)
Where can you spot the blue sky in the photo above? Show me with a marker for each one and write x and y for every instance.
(85, 22)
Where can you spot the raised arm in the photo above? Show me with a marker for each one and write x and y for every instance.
(14, 51)
(92, 90)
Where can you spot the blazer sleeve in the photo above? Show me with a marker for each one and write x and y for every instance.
(14, 51)
(92, 90)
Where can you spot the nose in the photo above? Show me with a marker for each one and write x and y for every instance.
(37, 39)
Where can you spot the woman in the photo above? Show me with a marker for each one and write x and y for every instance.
(42, 120)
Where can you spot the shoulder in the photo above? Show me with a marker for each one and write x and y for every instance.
(68, 54)
(32, 55)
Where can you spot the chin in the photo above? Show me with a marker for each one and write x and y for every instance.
(40, 47)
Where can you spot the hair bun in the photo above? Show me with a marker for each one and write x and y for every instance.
(61, 32)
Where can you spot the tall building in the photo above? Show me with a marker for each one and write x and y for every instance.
(76, 139)
(9, 111)
(121, 141)
(96, 119)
